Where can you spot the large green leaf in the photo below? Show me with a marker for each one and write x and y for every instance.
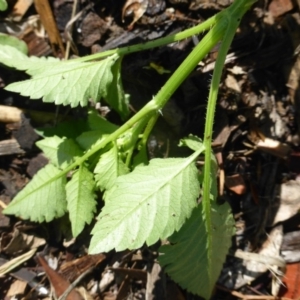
(190, 261)
(109, 168)
(71, 82)
(60, 151)
(43, 198)
(81, 199)
(148, 204)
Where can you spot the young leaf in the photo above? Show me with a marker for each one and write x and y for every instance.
(97, 122)
(148, 204)
(116, 96)
(43, 198)
(70, 82)
(81, 199)
(90, 138)
(192, 142)
(190, 261)
(109, 168)
(60, 151)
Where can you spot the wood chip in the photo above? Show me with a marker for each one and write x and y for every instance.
(10, 147)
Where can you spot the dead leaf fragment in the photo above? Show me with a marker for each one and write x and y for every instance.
(279, 7)
(19, 242)
(274, 147)
(236, 184)
(17, 288)
(135, 8)
(59, 283)
(289, 201)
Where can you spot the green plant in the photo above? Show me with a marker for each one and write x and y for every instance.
(3, 5)
(143, 202)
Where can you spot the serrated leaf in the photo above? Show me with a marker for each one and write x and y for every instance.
(116, 96)
(97, 122)
(81, 199)
(43, 198)
(148, 204)
(14, 58)
(68, 83)
(60, 151)
(109, 168)
(190, 262)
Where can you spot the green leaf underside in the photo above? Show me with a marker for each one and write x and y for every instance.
(109, 168)
(81, 199)
(14, 58)
(190, 262)
(43, 198)
(147, 204)
(68, 83)
(60, 151)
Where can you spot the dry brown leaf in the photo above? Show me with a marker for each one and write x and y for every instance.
(59, 283)
(17, 288)
(136, 8)
(236, 184)
(20, 242)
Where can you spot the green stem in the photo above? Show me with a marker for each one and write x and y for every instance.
(231, 19)
(135, 136)
(148, 130)
(156, 43)
(232, 16)
(158, 102)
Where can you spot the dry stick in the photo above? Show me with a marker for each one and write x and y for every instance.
(69, 28)
(74, 283)
(44, 10)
